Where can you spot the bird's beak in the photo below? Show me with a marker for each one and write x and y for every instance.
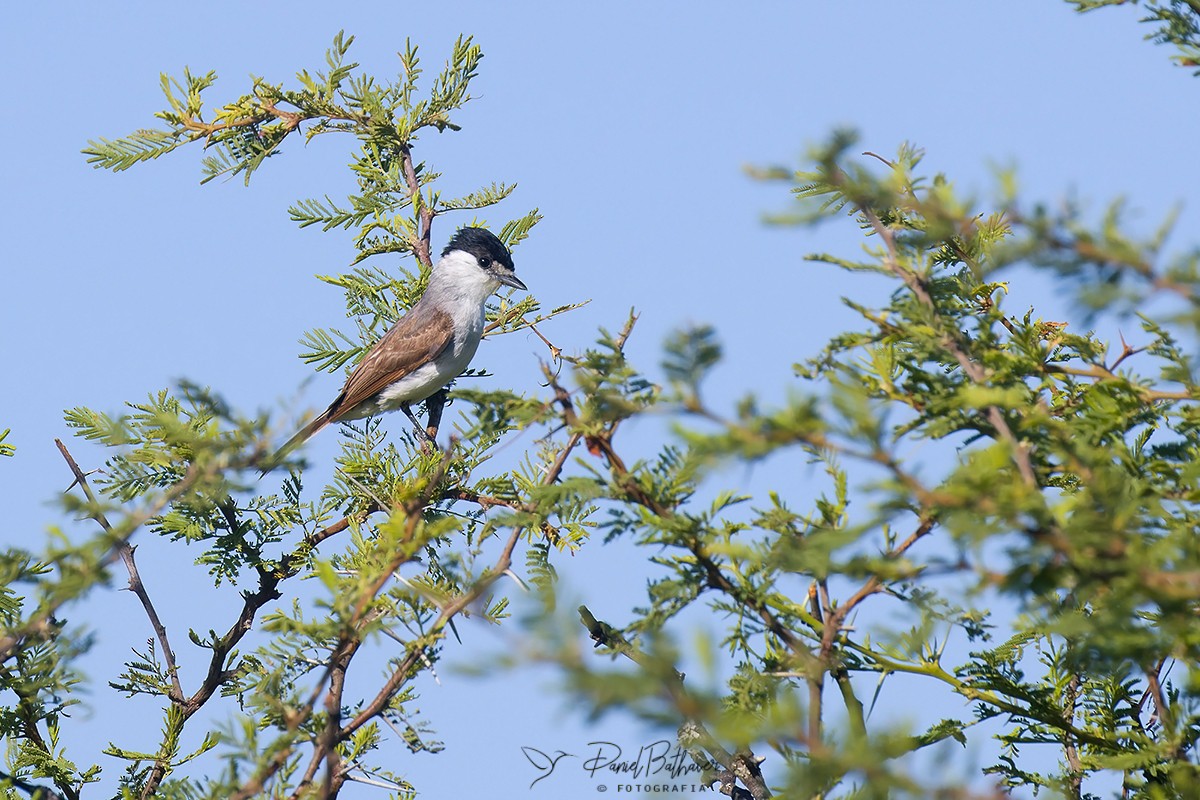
(508, 279)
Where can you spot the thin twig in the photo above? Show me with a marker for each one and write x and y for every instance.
(1070, 751)
(400, 673)
(125, 550)
(34, 791)
(951, 341)
(41, 623)
(744, 765)
(268, 583)
(1101, 374)
(425, 214)
(325, 748)
(1154, 687)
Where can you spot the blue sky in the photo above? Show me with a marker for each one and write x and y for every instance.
(628, 125)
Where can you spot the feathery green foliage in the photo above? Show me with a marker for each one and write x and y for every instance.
(1177, 22)
(1004, 513)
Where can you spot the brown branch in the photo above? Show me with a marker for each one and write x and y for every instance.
(330, 738)
(1089, 251)
(217, 675)
(952, 342)
(714, 576)
(425, 214)
(258, 782)
(325, 748)
(27, 705)
(837, 617)
(742, 766)
(822, 608)
(34, 791)
(401, 673)
(834, 621)
(125, 550)
(290, 119)
(1070, 751)
(746, 766)
(268, 583)
(816, 678)
(484, 501)
(1101, 374)
(1126, 352)
(41, 623)
(267, 591)
(413, 517)
(1154, 688)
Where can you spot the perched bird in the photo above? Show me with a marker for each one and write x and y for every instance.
(430, 345)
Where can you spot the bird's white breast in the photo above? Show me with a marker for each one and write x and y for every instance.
(460, 288)
(428, 378)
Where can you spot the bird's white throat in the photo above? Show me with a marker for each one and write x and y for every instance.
(459, 276)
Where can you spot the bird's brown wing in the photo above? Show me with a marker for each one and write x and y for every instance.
(417, 338)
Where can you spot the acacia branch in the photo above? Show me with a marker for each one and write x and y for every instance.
(27, 705)
(425, 214)
(952, 342)
(291, 120)
(294, 719)
(713, 573)
(34, 791)
(258, 782)
(984, 696)
(1102, 374)
(447, 612)
(836, 618)
(1089, 251)
(692, 732)
(125, 550)
(325, 748)
(1154, 688)
(268, 583)
(824, 617)
(1070, 751)
(217, 675)
(41, 623)
(746, 765)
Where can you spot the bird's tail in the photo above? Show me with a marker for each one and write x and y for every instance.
(300, 437)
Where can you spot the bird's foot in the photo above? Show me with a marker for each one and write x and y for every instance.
(427, 443)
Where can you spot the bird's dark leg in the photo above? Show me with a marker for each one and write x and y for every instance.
(422, 436)
(434, 404)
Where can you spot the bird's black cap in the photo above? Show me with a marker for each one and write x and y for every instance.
(481, 243)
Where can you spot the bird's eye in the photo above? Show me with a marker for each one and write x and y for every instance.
(485, 262)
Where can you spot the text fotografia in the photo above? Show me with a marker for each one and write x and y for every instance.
(661, 763)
